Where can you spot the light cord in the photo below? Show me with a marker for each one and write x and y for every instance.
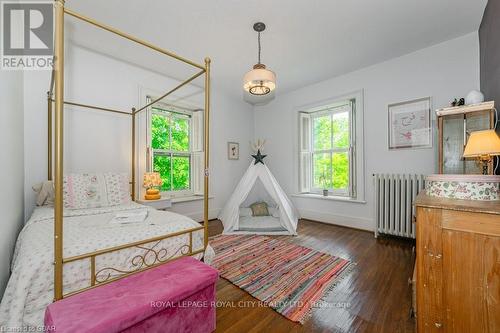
(258, 39)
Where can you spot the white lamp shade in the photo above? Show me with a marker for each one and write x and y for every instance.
(259, 81)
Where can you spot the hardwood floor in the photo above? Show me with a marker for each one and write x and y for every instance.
(375, 297)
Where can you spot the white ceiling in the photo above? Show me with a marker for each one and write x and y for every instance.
(305, 41)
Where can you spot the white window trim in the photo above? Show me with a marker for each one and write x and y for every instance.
(358, 123)
(350, 190)
(146, 95)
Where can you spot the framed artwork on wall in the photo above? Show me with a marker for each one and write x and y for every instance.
(233, 150)
(410, 124)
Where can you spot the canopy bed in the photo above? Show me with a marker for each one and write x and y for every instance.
(92, 251)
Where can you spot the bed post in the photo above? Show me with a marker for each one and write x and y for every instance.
(133, 154)
(49, 135)
(207, 152)
(59, 124)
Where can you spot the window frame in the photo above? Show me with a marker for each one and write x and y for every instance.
(350, 191)
(161, 110)
(314, 115)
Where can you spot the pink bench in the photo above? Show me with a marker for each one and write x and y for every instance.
(174, 297)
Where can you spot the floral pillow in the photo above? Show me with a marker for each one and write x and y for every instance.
(86, 190)
(117, 188)
(94, 190)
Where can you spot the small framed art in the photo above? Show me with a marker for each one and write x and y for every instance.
(233, 150)
(410, 124)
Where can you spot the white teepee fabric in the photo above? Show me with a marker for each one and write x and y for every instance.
(230, 213)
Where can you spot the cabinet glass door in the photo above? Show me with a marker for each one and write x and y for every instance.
(453, 144)
(476, 121)
(456, 131)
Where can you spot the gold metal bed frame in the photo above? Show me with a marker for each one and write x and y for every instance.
(139, 262)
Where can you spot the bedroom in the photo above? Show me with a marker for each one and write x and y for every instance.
(307, 171)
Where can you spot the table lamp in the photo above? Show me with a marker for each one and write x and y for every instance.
(152, 180)
(483, 145)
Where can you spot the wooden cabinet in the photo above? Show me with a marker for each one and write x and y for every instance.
(458, 265)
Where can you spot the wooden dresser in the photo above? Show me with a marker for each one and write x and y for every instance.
(458, 265)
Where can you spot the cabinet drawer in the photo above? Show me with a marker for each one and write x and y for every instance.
(479, 223)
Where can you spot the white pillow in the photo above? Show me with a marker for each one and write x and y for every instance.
(245, 212)
(274, 211)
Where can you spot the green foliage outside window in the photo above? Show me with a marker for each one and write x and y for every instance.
(171, 153)
(331, 144)
(162, 165)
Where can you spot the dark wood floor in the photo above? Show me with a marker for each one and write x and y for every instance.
(375, 297)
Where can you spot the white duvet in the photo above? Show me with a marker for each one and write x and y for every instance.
(30, 287)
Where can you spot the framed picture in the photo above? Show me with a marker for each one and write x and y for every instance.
(410, 124)
(233, 150)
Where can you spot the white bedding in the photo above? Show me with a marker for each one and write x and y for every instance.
(30, 287)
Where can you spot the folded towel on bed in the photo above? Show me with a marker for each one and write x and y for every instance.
(130, 216)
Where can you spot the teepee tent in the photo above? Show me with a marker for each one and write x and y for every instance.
(258, 184)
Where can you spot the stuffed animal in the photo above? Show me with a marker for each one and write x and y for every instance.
(45, 193)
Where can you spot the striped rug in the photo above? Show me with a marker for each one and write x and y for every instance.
(289, 278)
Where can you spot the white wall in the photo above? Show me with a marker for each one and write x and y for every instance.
(97, 141)
(11, 169)
(443, 71)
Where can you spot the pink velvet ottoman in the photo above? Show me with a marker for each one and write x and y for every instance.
(175, 297)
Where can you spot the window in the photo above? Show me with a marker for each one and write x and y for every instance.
(170, 141)
(327, 146)
(171, 148)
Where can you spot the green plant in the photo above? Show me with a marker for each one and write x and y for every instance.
(170, 143)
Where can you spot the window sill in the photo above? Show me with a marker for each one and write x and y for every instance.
(188, 198)
(331, 197)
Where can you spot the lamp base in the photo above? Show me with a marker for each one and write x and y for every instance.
(152, 194)
(152, 197)
(484, 161)
(485, 168)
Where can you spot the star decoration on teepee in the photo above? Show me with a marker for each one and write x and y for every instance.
(259, 158)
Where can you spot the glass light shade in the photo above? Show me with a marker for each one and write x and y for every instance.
(152, 179)
(482, 143)
(259, 81)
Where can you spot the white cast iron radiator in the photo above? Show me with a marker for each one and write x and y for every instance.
(394, 198)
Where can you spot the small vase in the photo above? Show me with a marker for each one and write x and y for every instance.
(325, 193)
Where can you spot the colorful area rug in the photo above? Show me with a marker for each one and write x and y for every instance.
(289, 278)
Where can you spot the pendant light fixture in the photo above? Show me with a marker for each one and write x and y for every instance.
(260, 80)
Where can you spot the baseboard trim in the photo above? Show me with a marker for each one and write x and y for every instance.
(340, 220)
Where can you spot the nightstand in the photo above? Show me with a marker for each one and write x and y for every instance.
(160, 204)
